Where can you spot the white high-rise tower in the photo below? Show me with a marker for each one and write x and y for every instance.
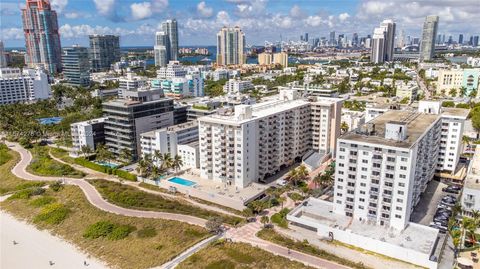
(427, 47)
(383, 42)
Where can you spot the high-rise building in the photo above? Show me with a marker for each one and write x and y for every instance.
(355, 39)
(76, 65)
(170, 28)
(104, 51)
(475, 41)
(42, 40)
(166, 43)
(3, 59)
(427, 47)
(257, 141)
(306, 37)
(161, 49)
(23, 87)
(383, 42)
(401, 39)
(280, 58)
(332, 41)
(460, 39)
(230, 46)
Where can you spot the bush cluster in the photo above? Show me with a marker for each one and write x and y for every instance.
(109, 230)
(42, 201)
(52, 213)
(27, 193)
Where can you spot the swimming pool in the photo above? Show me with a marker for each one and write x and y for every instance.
(182, 181)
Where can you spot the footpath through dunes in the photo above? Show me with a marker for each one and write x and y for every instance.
(20, 170)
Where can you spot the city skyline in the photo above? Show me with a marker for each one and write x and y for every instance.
(261, 20)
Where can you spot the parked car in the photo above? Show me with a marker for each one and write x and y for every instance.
(452, 189)
(447, 203)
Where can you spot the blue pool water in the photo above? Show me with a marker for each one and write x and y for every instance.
(49, 121)
(182, 181)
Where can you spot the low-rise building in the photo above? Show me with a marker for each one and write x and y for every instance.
(237, 86)
(87, 133)
(407, 90)
(457, 79)
(189, 154)
(471, 190)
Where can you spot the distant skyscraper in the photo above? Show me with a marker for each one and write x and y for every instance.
(76, 65)
(450, 40)
(401, 39)
(460, 39)
(3, 59)
(332, 39)
(355, 39)
(166, 43)
(42, 41)
(170, 28)
(306, 37)
(104, 51)
(427, 47)
(439, 39)
(230, 46)
(475, 41)
(383, 42)
(161, 49)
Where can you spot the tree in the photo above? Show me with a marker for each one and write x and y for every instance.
(102, 153)
(453, 92)
(257, 206)
(473, 94)
(466, 140)
(85, 150)
(265, 220)
(302, 173)
(214, 225)
(463, 92)
(292, 177)
(448, 104)
(126, 155)
(344, 127)
(167, 161)
(281, 200)
(177, 162)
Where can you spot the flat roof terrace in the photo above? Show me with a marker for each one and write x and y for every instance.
(417, 124)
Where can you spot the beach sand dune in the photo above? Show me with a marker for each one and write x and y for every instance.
(35, 248)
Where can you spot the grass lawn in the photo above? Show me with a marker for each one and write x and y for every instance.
(4, 155)
(221, 255)
(305, 247)
(130, 197)
(226, 208)
(62, 155)
(43, 165)
(9, 182)
(130, 242)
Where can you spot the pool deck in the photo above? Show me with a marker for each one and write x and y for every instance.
(215, 192)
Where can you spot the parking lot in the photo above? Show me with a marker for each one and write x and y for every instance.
(425, 209)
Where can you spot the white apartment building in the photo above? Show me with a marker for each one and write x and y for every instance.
(189, 154)
(130, 83)
(383, 167)
(237, 86)
(174, 69)
(87, 133)
(256, 141)
(471, 190)
(167, 140)
(353, 119)
(407, 90)
(28, 85)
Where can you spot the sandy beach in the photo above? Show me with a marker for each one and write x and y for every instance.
(35, 249)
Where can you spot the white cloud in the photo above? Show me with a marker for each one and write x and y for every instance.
(203, 10)
(74, 31)
(159, 5)
(314, 21)
(296, 12)
(343, 17)
(59, 5)
(12, 33)
(250, 8)
(107, 8)
(141, 11)
(223, 17)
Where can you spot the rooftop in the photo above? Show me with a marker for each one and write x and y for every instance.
(127, 103)
(472, 181)
(415, 236)
(173, 128)
(417, 124)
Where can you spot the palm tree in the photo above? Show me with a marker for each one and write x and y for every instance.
(344, 127)
(453, 92)
(167, 161)
(125, 154)
(292, 177)
(264, 220)
(302, 172)
(466, 140)
(102, 152)
(85, 150)
(473, 94)
(142, 168)
(281, 200)
(158, 157)
(463, 92)
(177, 162)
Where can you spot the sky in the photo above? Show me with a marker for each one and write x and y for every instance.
(136, 21)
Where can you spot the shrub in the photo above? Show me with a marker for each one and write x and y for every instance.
(27, 193)
(53, 213)
(99, 229)
(125, 175)
(86, 163)
(221, 264)
(147, 232)
(107, 229)
(28, 185)
(120, 232)
(41, 201)
(239, 256)
(56, 186)
(4, 155)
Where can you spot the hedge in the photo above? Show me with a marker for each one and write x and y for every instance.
(100, 168)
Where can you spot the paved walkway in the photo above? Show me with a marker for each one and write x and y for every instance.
(246, 233)
(92, 174)
(92, 194)
(180, 258)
